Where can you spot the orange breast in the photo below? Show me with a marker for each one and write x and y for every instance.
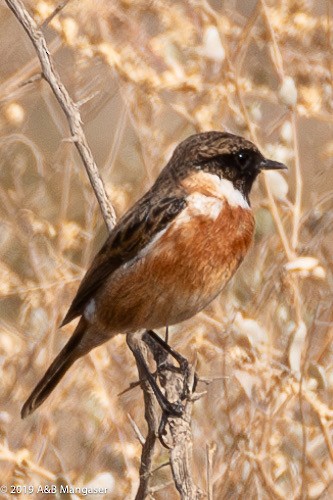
(180, 274)
(206, 252)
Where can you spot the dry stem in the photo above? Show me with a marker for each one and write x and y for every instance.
(68, 106)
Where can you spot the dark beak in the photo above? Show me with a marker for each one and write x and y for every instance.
(272, 165)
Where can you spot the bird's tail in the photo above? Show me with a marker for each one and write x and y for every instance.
(67, 356)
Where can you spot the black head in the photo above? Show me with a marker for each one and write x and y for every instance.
(226, 155)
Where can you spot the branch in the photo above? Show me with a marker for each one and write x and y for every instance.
(151, 416)
(56, 11)
(68, 106)
(178, 433)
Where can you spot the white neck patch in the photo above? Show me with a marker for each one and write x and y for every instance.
(226, 189)
(211, 185)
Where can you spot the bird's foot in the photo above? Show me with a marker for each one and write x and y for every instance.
(183, 365)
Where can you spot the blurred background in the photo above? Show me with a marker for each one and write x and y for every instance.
(147, 74)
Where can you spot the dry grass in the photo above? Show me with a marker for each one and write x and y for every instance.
(148, 74)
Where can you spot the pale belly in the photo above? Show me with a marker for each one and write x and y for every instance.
(179, 276)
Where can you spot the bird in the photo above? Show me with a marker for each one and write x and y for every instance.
(171, 253)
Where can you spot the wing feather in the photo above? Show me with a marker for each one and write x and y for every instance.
(132, 233)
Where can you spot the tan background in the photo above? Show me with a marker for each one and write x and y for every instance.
(149, 74)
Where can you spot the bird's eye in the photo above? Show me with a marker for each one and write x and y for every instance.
(243, 159)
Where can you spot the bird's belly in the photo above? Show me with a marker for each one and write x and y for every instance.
(180, 275)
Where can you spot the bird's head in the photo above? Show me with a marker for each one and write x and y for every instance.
(228, 156)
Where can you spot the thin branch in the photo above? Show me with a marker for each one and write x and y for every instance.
(299, 185)
(34, 78)
(68, 106)
(16, 458)
(209, 470)
(136, 430)
(14, 86)
(151, 416)
(178, 433)
(54, 13)
(277, 58)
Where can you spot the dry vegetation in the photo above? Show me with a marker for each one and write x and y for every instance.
(148, 74)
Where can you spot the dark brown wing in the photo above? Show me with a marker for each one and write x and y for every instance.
(133, 232)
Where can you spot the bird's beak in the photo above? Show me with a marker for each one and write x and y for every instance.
(272, 165)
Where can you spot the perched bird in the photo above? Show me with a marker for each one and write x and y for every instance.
(171, 254)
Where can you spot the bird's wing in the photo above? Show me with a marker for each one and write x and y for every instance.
(134, 231)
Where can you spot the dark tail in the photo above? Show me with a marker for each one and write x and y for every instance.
(56, 371)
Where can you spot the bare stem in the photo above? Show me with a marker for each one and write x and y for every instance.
(299, 185)
(55, 12)
(151, 416)
(68, 106)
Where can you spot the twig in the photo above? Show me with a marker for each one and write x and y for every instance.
(277, 59)
(151, 416)
(14, 86)
(165, 464)
(179, 439)
(21, 460)
(269, 485)
(209, 459)
(180, 436)
(136, 430)
(54, 13)
(299, 186)
(34, 78)
(68, 106)
(160, 487)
